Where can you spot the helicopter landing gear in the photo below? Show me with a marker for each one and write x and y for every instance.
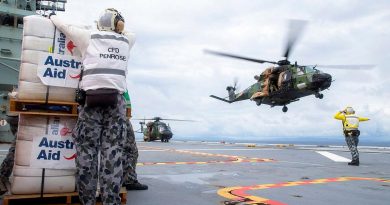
(319, 95)
(164, 139)
(284, 109)
(146, 139)
(259, 101)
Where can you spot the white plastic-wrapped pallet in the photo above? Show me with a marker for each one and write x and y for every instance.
(32, 185)
(44, 142)
(31, 126)
(39, 38)
(27, 180)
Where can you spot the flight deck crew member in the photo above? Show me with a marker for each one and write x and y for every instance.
(130, 153)
(351, 131)
(101, 124)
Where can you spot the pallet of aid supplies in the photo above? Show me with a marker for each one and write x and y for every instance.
(57, 199)
(42, 107)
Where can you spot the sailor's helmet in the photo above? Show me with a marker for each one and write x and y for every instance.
(108, 20)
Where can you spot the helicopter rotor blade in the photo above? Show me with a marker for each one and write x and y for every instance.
(237, 57)
(177, 120)
(295, 30)
(348, 67)
(158, 119)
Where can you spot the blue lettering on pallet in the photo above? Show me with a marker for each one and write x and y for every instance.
(62, 63)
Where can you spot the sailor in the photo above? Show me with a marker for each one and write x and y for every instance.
(266, 80)
(131, 153)
(101, 124)
(351, 131)
(8, 164)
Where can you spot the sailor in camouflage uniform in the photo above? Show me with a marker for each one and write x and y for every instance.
(8, 164)
(131, 153)
(351, 132)
(101, 126)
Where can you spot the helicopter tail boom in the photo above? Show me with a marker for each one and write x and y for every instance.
(222, 99)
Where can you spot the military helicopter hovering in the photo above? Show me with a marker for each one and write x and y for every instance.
(285, 82)
(157, 130)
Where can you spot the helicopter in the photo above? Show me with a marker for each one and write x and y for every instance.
(157, 130)
(285, 82)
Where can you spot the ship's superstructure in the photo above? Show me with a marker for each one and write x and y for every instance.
(11, 30)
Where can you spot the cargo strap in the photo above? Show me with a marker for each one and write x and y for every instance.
(43, 182)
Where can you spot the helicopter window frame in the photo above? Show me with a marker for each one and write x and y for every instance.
(310, 69)
(301, 70)
(161, 128)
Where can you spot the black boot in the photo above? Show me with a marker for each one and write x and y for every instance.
(354, 163)
(136, 186)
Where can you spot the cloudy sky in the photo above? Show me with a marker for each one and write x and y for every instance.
(171, 77)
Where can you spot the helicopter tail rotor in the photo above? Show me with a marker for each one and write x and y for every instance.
(231, 89)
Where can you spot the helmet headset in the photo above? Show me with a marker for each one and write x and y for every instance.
(109, 20)
(349, 110)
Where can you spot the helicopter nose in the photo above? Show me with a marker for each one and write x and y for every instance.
(322, 80)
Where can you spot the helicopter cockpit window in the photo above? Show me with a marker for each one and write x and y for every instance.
(161, 129)
(301, 70)
(310, 69)
(164, 127)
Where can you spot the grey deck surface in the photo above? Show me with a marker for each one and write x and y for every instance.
(199, 183)
(185, 173)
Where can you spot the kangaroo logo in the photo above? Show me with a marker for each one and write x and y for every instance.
(63, 132)
(70, 46)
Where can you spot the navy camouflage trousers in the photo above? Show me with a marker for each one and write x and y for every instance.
(8, 163)
(100, 130)
(352, 142)
(130, 156)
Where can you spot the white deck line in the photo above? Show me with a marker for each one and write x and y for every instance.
(333, 157)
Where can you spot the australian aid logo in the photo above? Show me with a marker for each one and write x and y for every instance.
(59, 70)
(62, 67)
(56, 149)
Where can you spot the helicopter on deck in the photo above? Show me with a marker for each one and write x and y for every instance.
(285, 82)
(156, 129)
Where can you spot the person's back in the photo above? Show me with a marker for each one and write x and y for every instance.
(101, 125)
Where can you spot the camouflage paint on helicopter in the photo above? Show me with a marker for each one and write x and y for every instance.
(285, 82)
(291, 83)
(157, 130)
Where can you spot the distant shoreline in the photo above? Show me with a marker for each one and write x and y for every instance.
(363, 141)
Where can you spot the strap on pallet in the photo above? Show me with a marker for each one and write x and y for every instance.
(43, 182)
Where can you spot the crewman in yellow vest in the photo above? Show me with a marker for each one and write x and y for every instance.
(351, 131)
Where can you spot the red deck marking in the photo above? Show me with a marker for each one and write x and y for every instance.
(230, 159)
(238, 194)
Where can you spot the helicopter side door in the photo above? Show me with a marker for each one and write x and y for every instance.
(284, 80)
(155, 132)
